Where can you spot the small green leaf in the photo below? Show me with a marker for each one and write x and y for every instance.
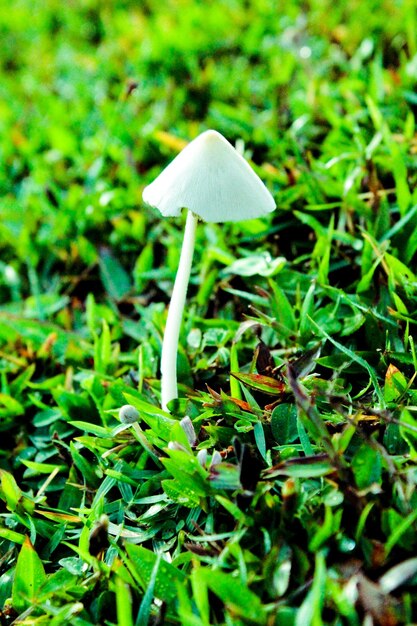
(9, 407)
(181, 493)
(303, 467)
(393, 441)
(102, 349)
(42, 468)
(29, 577)
(307, 311)
(237, 598)
(325, 530)
(234, 510)
(311, 607)
(395, 383)
(225, 476)
(145, 605)
(187, 471)
(367, 466)
(200, 594)
(144, 264)
(408, 431)
(235, 390)
(114, 277)
(11, 535)
(143, 561)
(354, 357)
(74, 405)
(21, 381)
(11, 493)
(123, 603)
(398, 272)
(99, 431)
(284, 423)
(401, 526)
(322, 250)
(87, 470)
(282, 308)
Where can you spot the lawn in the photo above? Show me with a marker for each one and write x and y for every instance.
(279, 488)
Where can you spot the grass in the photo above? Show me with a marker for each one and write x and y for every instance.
(290, 498)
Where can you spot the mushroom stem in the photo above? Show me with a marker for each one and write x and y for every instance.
(169, 388)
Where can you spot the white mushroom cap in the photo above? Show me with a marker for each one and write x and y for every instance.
(128, 414)
(213, 181)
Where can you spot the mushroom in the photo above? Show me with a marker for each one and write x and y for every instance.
(129, 417)
(215, 183)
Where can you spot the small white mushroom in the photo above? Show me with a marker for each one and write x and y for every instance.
(215, 183)
(129, 416)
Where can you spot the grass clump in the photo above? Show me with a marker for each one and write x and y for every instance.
(281, 488)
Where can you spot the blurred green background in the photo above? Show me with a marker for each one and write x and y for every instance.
(87, 87)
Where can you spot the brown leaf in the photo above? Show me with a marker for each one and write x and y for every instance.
(265, 384)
